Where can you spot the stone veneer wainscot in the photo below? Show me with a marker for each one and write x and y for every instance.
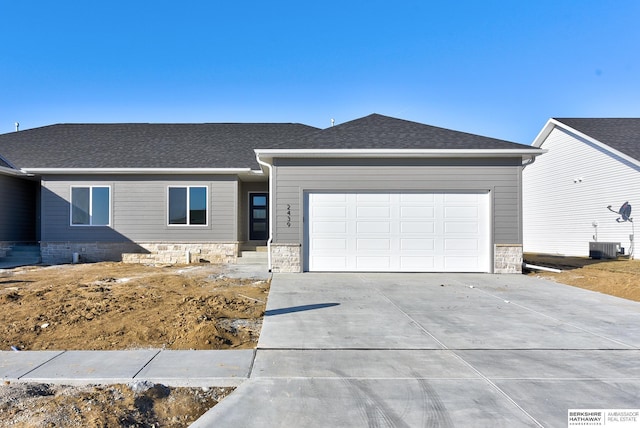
(507, 258)
(286, 258)
(140, 252)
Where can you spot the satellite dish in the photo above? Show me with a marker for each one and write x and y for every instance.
(624, 211)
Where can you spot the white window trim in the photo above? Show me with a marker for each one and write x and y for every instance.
(206, 188)
(90, 187)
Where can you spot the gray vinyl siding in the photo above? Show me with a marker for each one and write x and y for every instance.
(139, 209)
(17, 209)
(501, 177)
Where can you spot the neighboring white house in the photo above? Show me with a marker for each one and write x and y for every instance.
(590, 164)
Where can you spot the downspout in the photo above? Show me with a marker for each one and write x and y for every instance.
(270, 168)
(526, 163)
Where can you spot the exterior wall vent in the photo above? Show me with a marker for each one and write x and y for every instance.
(605, 250)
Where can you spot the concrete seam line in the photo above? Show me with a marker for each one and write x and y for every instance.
(253, 362)
(146, 364)
(497, 388)
(40, 365)
(414, 321)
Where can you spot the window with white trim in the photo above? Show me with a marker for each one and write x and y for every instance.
(187, 205)
(90, 205)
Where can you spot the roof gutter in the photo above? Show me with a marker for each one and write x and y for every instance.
(14, 172)
(271, 217)
(397, 153)
(135, 171)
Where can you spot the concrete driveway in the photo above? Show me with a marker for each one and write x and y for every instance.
(445, 350)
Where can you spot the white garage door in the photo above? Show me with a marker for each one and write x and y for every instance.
(397, 232)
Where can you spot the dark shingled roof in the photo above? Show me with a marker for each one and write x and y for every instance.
(218, 145)
(622, 134)
(4, 164)
(382, 132)
(143, 145)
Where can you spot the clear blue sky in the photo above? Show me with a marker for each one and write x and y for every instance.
(495, 68)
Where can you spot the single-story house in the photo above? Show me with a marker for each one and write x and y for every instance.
(373, 194)
(574, 194)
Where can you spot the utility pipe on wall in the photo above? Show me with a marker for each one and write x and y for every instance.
(271, 216)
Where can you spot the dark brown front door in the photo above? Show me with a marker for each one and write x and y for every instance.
(258, 216)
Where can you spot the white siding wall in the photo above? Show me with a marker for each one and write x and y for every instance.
(558, 211)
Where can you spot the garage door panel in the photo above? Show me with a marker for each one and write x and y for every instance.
(409, 244)
(373, 227)
(328, 263)
(461, 197)
(329, 244)
(421, 227)
(460, 263)
(329, 227)
(417, 212)
(461, 244)
(368, 244)
(331, 212)
(396, 231)
(373, 212)
(461, 212)
(319, 198)
(417, 197)
(461, 227)
(373, 197)
(373, 263)
(416, 263)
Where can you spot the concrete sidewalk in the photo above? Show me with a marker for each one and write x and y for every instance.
(171, 368)
(414, 350)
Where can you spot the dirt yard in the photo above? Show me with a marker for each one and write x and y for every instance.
(121, 306)
(105, 306)
(619, 278)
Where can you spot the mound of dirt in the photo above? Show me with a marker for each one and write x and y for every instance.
(139, 404)
(115, 306)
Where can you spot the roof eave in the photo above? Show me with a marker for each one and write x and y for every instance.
(137, 171)
(398, 153)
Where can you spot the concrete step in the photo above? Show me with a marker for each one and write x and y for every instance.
(253, 257)
(242, 261)
(21, 255)
(22, 251)
(11, 262)
(254, 248)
